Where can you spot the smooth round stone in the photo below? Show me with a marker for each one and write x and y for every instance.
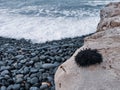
(10, 87)
(43, 87)
(33, 75)
(23, 61)
(19, 80)
(5, 72)
(25, 77)
(34, 80)
(19, 65)
(42, 57)
(10, 50)
(45, 75)
(7, 76)
(26, 70)
(33, 70)
(19, 76)
(50, 79)
(60, 51)
(35, 59)
(38, 74)
(4, 68)
(48, 66)
(19, 57)
(28, 79)
(29, 63)
(52, 58)
(57, 63)
(38, 65)
(25, 50)
(57, 58)
(41, 70)
(2, 63)
(2, 77)
(9, 62)
(34, 88)
(16, 86)
(3, 88)
(33, 54)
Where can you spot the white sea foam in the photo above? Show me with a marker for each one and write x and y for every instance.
(47, 21)
(41, 29)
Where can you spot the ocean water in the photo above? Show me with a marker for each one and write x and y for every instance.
(47, 20)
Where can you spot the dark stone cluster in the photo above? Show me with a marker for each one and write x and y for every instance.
(88, 57)
(28, 66)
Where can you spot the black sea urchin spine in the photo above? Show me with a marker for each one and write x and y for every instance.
(88, 57)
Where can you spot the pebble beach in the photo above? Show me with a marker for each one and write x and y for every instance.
(31, 66)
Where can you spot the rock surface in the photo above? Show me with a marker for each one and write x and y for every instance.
(105, 76)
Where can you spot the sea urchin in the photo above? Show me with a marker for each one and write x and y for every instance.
(88, 57)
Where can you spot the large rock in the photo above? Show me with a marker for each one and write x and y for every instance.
(104, 76)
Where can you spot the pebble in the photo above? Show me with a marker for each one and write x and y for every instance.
(50, 79)
(35, 59)
(29, 80)
(42, 57)
(34, 80)
(33, 70)
(10, 51)
(45, 75)
(23, 61)
(57, 58)
(5, 72)
(29, 63)
(16, 86)
(25, 76)
(33, 75)
(26, 70)
(34, 88)
(19, 76)
(7, 76)
(10, 62)
(48, 66)
(19, 80)
(4, 68)
(43, 87)
(1, 63)
(33, 54)
(38, 65)
(10, 87)
(19, 57)
(3, 88)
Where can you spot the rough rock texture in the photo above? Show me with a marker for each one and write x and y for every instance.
(105, 76)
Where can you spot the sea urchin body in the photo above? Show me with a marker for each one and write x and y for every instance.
(88, 57)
